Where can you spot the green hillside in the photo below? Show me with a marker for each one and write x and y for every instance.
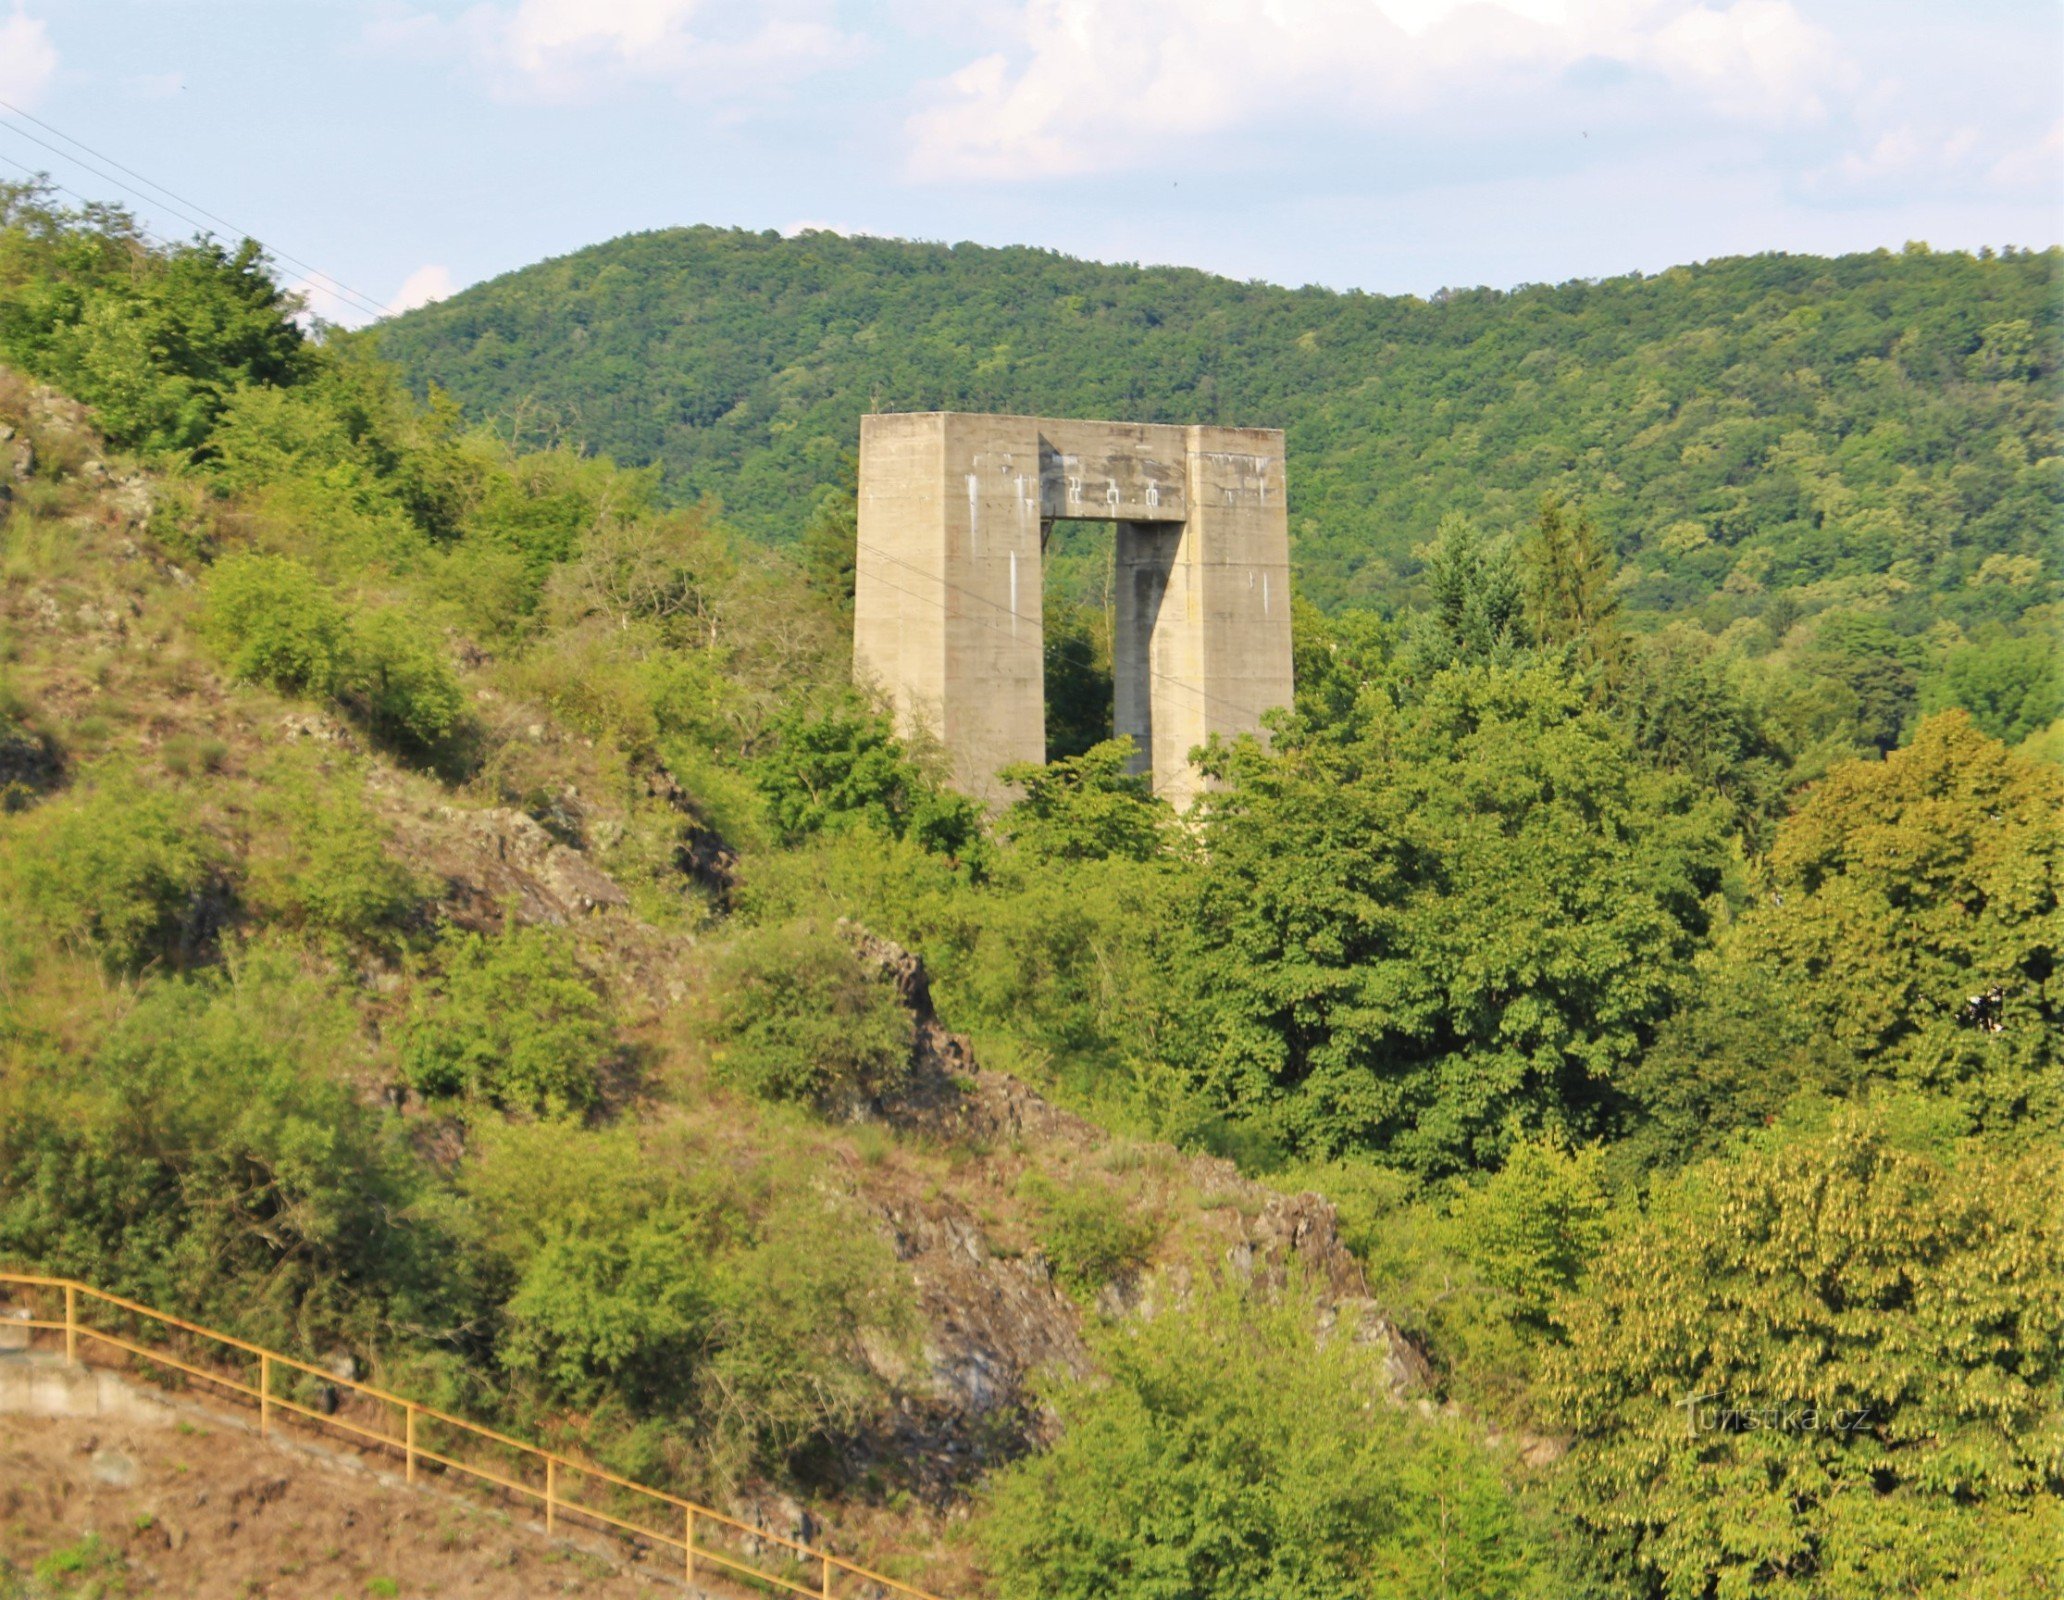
(1580, 1113)
(1871, 428)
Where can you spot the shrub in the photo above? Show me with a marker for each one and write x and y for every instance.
(803, 1312)
(1231, 1449)
(1532, 1229)
(1086, 808)
(398, 680)
(622, 1312)
(319, 860)
(798, 1019)
(272, 621)
(1088, 1232)
(845, 769)
(513, 1021)
(113, 870)
(210, 1155)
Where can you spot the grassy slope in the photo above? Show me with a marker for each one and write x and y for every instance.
(1741, 427)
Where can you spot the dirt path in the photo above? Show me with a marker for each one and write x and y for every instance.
(90, 1508)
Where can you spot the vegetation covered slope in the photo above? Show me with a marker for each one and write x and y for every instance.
(428, 885)
(1863, 426)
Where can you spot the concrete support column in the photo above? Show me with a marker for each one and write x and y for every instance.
(947, 593)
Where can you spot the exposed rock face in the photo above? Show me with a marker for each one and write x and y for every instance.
(499, 860)
(994, 1319)
(703, 855)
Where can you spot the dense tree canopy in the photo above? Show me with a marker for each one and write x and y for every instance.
(1865, 426)
(1416, 932)
(1828, 1370)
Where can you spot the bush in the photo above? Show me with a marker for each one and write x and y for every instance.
(400, 683)
(1087, 808)
(727, 1304)
(210, 1156)
(272, 621)
(846, 769)
(113, 870)
(1231, 1449)
(1088, 1232)
(803, 1313)
(798, 1019)
(513, 1021)
(620, 1313)
(318, 859)
(1533, 1228)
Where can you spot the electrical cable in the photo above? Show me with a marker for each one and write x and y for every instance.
(357, 300)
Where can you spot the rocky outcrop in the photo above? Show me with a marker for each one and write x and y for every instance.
(498, 862)
(994, 1318)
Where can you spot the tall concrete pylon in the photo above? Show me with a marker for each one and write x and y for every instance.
(955, 508)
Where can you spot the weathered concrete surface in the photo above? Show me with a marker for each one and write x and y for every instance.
(37, 1385)
(954, 507)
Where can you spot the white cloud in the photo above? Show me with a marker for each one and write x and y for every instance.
(426, 284)
(1094, 84)
(2036, 168)
(322, 301)
(577, 49)
(28, 60)
(1758, 60)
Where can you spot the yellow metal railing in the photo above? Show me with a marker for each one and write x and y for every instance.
(709, 1543)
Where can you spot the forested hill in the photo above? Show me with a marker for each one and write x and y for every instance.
(1865, 427)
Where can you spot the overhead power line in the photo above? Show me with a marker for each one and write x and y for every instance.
(177, 204)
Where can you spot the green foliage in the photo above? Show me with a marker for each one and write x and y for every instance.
(796, 1018)
(1571, 604)
(1476, 613)
(210, 1156)
(112, 869)
(1076, 644)
(1089, 1233)
(1878, 665)
(1534, 1226)
(733, 1306)
(845, 768)
(1913, 917)
(623, 1313)
(154, 340)
(400, 682)
(1739, 430)
(318, 859)
(1086, 808)
(1829, 1369)
(272, 621)
(514, 1021)
(1432, 929)
(800, 1312)
(1230, 1449)
(2012, 687)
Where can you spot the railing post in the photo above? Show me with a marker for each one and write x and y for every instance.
(691, 1544)
(408, 1448)
(71, 1322)
(826, 1559)
(551, 1491)
(264, 1394)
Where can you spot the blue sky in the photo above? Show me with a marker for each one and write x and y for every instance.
(411, 146)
